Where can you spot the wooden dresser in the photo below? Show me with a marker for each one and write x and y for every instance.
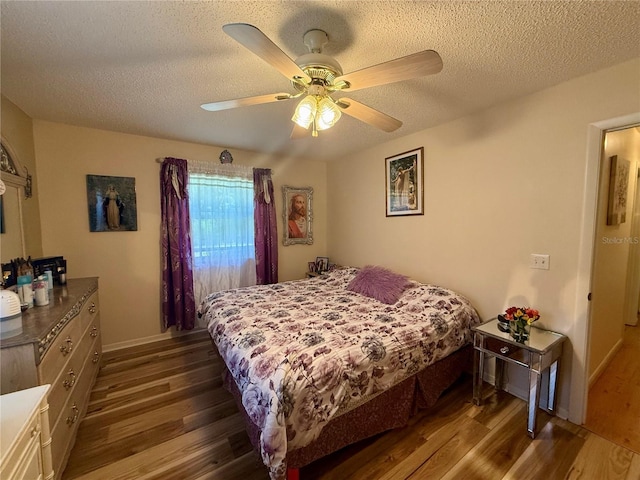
(60, 344)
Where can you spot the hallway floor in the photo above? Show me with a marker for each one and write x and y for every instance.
(613, 410)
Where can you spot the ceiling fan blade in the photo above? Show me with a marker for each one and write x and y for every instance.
(299, 132)
(368, 115)
(256, 41)
(404, 68)
(243, 102)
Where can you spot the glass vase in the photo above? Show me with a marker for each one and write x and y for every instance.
(519, 330)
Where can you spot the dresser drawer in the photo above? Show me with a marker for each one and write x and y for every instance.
(16, 464)
(60, 352)
(31, 464)
(64, 384)
(65, 426)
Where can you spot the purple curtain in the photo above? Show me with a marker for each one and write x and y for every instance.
(266, 234)
(178, 301)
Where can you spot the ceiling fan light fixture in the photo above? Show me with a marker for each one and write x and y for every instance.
(328, 114)
(305, 111)
(316, 76)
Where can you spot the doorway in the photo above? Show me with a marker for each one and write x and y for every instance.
(581, 326)
(612, 346)
(613, 270)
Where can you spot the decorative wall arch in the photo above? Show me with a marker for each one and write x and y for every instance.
(12, 172)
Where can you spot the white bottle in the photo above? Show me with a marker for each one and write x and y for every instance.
(41, 291)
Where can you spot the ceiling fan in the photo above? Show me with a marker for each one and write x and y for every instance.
(316, 77)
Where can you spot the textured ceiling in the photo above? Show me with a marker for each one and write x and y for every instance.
(145, 67)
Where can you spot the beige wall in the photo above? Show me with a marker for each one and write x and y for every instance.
(17, 132)
(499, 185)
(128, 263)
(612, 250)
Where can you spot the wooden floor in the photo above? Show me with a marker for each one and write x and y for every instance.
(160, 412)
(613, 407)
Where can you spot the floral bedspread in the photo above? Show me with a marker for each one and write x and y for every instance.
(303, 351)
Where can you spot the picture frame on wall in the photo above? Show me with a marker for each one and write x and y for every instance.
(404, 184)
(112, 203)
(618, 186)
(297, 215)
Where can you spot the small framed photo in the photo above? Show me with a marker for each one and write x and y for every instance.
(298, 215)
(112, 203)
(311, 266)
(322, 264)
(404, 183)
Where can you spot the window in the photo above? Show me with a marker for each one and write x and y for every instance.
(222, 227)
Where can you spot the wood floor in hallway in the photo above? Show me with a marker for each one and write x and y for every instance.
(613, 407)
(159, 411)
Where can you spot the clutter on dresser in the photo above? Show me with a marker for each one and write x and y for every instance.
(33, 279)
(56, 265)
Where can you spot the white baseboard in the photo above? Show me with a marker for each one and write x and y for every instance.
(154, 338)
(598, 371)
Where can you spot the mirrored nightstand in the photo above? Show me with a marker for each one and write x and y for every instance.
(539, 355)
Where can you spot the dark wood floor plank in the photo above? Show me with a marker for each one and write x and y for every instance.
(115, 397)
(141, 350)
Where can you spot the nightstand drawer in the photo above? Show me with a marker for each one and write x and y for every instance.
(506, 349)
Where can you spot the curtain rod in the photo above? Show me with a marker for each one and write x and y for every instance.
(161, 160)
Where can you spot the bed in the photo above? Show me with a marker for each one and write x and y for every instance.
(309, 360)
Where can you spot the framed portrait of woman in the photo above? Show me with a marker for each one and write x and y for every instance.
(404, 183)
(297, 215)
(112, 203)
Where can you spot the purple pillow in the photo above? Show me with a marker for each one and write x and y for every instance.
(379, 283)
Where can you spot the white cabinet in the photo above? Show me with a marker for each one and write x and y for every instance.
(25, 440)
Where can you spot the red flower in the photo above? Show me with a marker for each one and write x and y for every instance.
(524, 314)
(531, 313)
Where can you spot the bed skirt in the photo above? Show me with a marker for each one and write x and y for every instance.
(390, 409)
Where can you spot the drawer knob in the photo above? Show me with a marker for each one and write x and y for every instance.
(96, 357)
(94, 332)
(92, 308)
(76, 414)
(504, 350)
(34, 431)
(71, 381)
(66, 349)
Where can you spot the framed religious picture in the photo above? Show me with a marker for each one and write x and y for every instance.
(112, 203)
(404, 184)
(297, 215)
(618, 186)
